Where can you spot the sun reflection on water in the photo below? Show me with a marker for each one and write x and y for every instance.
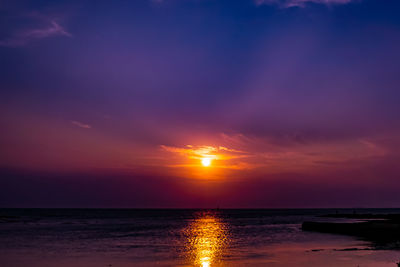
(207, 237)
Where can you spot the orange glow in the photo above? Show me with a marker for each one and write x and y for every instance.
(191, 155)
(206, 162)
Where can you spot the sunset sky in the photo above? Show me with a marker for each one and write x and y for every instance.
(292, 103)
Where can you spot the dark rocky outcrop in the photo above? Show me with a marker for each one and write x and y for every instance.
(382, 230)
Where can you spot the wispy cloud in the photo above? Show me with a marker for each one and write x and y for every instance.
(223, 157)
(301, 3)
(242, 152)
(212, 152)
(49, 28)
(82, 125)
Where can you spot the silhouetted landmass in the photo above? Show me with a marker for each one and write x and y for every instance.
(383, 230)
(364, 216)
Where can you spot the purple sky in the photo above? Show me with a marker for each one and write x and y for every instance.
(115, 103)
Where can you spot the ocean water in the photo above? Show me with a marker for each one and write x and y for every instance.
(169, 237)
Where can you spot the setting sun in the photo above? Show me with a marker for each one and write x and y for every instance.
(206, 162)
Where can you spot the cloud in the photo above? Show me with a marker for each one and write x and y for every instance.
(301, 3)
(82, 125)
(20, 38)
(268, 155)
(199, 152)
(222, 154)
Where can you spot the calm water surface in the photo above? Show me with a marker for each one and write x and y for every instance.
(129, 237)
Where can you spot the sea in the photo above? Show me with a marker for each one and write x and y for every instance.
(181, 237)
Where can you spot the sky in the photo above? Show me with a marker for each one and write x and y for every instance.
(295, 103)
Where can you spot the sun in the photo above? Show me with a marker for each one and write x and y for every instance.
(206, 162)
